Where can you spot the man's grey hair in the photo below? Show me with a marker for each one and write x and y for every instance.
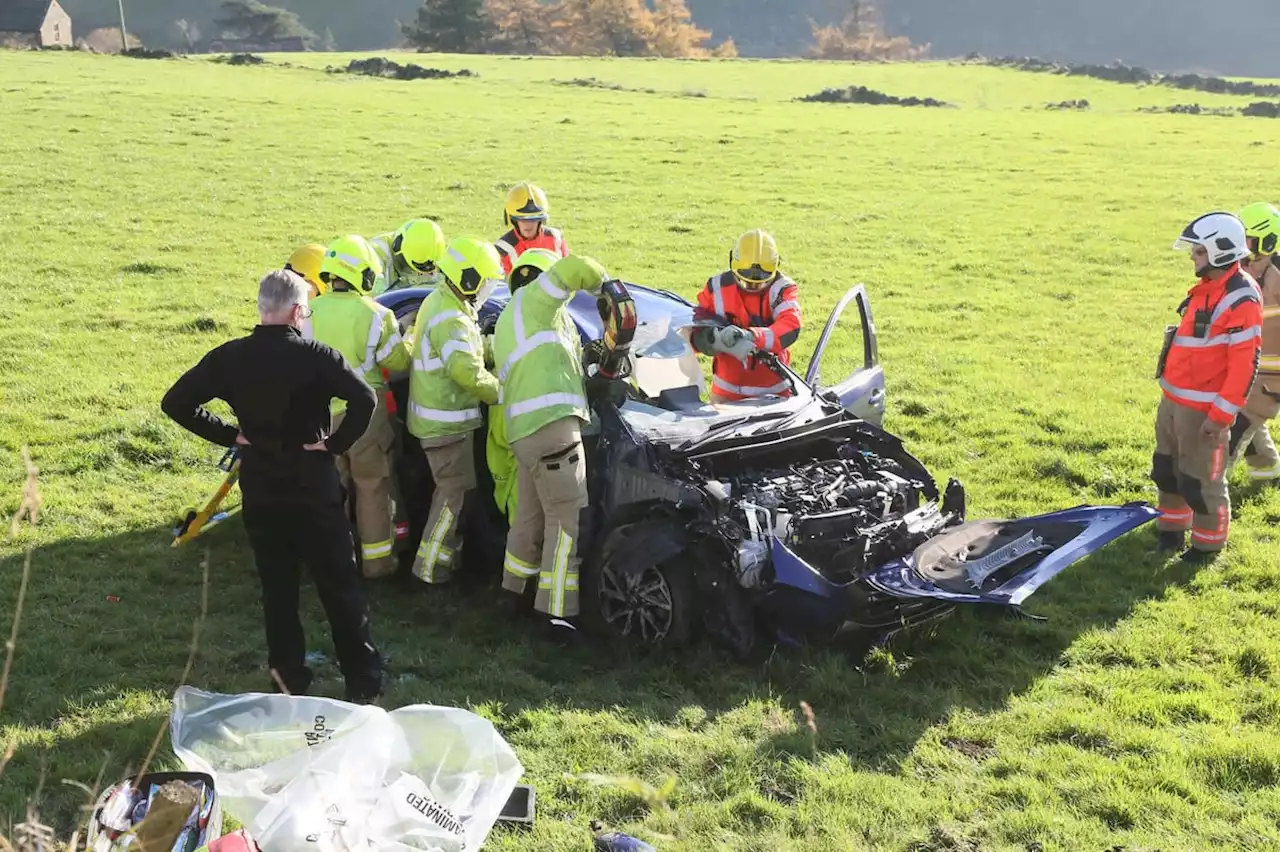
(279, 291)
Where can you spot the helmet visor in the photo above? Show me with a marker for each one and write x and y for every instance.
(426, 266)
(1260, 247)
(755, 277)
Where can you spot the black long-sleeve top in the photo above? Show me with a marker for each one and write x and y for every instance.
(280, 385)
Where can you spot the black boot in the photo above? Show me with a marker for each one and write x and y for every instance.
(1168, 541)
(1199, 557)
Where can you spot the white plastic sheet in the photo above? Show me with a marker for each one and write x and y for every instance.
(316, 774)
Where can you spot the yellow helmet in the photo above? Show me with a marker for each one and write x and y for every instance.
(529, 265)
(420, 242)
(1261, 228)
(305, 261)
(754, 260)
(528, 202)
(469, 262)
(352, 260)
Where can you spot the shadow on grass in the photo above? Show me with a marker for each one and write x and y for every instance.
(93, 675)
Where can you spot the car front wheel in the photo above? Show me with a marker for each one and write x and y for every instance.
(638, 603)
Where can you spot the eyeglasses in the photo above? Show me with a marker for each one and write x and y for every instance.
(304, 311)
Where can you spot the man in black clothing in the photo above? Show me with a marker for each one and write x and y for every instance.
(279, 384)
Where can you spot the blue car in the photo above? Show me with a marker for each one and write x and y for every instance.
(789, 519)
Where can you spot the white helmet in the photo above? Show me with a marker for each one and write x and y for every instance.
(1222, 234)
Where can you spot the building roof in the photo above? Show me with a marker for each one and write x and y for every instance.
(23, 16)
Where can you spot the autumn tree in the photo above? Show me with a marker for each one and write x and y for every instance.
(675, 33)
(861, 36)
(251, 20)
(523, 26)
(451, 26)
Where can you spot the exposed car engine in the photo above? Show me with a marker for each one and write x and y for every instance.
(842, 516)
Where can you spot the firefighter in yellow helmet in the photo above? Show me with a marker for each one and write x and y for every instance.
(447, 386)
(368, 337)
(762, 306)
(526, 213)
(305, 261)
(409, 256)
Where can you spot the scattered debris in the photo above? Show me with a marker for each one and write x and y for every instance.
(1192, 109)
(1080, 104)
(242, 59)
(863, 95)
(1262, 109)
(113, 599)
(970, 749)
(593, 83)
(147, 53)
(377, 66)
(1118, 72)
(615, 841)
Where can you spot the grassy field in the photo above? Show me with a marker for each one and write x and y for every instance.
(1019, 265)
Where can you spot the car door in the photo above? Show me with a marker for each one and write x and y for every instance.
(846, 360)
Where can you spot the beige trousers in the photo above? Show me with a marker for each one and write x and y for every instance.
(454, 472)
(366, 471)
(1190, 472)
(543, 539)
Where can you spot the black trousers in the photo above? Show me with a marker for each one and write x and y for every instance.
(284, 538)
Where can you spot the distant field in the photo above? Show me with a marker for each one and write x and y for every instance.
(1019, 266)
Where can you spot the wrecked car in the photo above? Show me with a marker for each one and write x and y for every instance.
(795, 518)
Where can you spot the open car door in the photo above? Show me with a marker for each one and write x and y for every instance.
(846, 360)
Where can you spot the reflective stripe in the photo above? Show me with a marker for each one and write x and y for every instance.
(376, 549)
(1215, 468)
(546, 583)
(519, 568)
(1269, 363)
(430, 550)
(1208, 537)
(1273, 311)
(385, 352)
(559, 579)
(442, 317)
(443, 416)
(777, 289)
(371, 345)
(506, 248)
(1230, 300)
(547, 400)
(544, 281)
(717, 297)
(454, 346)
(786, 306)
(1219, 339)
(1227, 407)
(768, 338)
(517, 305)
(1272, 472)
(1176, 514)
(542, 338)
(429, 366)
(1189, 395)
(747, 391)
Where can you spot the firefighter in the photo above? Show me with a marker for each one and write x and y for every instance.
(1250, 433)
(369, 338)
(501, 460)
(447, 386)
(526, 214)
(1206, 369)
(763, 308)
(409, 255)
(544, 407)
(305, 261)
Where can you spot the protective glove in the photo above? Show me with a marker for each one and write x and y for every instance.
(489, 322)
(600, 389)
(577, 272)
(735, 341)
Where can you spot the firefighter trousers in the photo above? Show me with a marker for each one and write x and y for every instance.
(1250, 434)
(453, 470)
(1190, 472)
(543, 540)
(366, 470)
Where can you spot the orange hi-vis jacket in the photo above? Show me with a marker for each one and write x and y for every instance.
(1213, 359)
(511, 245)
(772, 315)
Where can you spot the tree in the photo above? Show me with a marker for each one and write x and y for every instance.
(861, 36)
(251, 20)
(674, 33)
(523, 26)
(606, 27)
(450, 26)
(188, 32)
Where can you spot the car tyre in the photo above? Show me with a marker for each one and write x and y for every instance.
(654, 607)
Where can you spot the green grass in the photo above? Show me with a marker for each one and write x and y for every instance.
(1019, 266)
